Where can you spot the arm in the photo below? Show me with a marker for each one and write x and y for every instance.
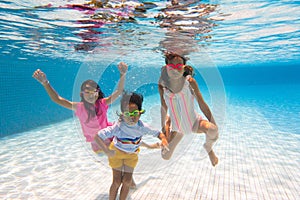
(164, 141)
(101, 137)
(164, 107)
(150, 146)
(203, 106)
(41, 77)
(103, 146)
(122, 69)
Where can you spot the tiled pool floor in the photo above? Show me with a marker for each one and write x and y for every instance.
(255, 162)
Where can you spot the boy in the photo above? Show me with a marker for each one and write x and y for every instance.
(127, 135)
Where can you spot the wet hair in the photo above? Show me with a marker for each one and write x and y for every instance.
(91, 109)
(188, 70)
(131, 97)
(164, 78)
(170, 56)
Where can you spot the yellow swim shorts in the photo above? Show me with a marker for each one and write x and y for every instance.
(121, 158)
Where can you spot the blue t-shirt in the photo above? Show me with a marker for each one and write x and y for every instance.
(125, 137)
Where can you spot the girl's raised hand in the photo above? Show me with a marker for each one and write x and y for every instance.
(40, 76)
(122, 68)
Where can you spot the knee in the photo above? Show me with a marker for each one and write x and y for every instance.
(213, 132)
(116, 183)
(166, 156)
(126, 182)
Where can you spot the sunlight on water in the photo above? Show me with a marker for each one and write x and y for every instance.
(232, 33)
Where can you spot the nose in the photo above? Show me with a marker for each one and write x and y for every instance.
(132, 118)
(93, 94)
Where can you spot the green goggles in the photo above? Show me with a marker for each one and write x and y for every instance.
(134, 113)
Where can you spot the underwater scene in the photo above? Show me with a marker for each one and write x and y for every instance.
(245, 57)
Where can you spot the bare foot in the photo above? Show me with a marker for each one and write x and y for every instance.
(213, 158)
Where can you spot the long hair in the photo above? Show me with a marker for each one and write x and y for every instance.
(92, 109)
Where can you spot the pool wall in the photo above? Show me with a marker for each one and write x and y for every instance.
(25, 104)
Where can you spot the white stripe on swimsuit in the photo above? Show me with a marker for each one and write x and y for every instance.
(181, 108)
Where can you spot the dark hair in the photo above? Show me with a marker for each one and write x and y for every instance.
(170, 56)
(164, 80)
(91, 109)
(131, 97)
(188, 70)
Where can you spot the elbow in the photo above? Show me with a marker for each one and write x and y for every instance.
(56, 99)
(120, 91)
(96, 138)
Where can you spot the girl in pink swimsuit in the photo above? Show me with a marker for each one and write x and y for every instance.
(178, 89)
(92, 110)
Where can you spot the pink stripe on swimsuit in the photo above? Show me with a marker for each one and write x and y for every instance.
(181, 109)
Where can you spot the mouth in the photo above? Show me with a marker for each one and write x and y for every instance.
(91, 100)
(131, 122)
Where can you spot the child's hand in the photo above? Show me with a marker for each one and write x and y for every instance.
(122, 68)
(40, 76)
(166, 129)
(110, 153)
(165, 144)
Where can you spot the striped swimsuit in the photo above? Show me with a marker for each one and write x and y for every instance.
(181, 109)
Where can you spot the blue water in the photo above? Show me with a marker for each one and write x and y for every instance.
(248, 43)
(246, 56)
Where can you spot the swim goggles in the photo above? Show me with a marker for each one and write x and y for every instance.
(95, 92)
(134, 113)
(178, 66)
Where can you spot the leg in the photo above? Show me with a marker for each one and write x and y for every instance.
(212, 135)
(126, 182)
(117, 178)
(133, 184)
(174, 139)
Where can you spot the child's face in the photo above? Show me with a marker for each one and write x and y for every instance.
(131, 114)
(90, 94)
(175, 67)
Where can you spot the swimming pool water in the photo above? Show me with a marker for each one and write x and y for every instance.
(256, 161)
(246, 61)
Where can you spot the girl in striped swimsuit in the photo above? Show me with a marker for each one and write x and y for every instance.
(177, 90)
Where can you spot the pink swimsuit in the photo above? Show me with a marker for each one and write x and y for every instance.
(91, 128)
